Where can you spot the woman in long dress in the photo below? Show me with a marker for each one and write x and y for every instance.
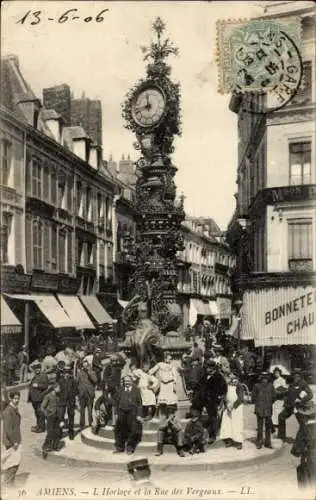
(232, 420)
(167, 376)
(280, 387)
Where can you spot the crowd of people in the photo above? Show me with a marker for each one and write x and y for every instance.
(110, 388)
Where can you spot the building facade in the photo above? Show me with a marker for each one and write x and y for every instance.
(207, 264)
(57, 204)
(273, 230)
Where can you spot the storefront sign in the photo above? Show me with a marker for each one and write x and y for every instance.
(224, 307)
(280, 316)
(271, 196)
(44, 282)
(13, 282)
(66, 284)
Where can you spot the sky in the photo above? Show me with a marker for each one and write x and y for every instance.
(104, 60)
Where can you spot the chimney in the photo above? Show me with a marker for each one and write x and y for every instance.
(59, 99)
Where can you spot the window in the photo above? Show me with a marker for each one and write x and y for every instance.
(91, 252)
(4, 238)
(100, 208)
(300, 244)
(79, 198)
(54, 186)
(47, 262)
(54, 247)
(69, 193)
(37, 245)
(46, 190)
(37, 178)
(69, 252)
(62, 191)
(62, 251)
(300, 163)
(102, 259)
(6, 161)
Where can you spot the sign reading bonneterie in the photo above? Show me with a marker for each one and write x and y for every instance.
(279, 316)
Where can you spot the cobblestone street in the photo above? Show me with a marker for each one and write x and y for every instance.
(35, 474)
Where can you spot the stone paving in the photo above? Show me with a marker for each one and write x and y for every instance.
(273, 479)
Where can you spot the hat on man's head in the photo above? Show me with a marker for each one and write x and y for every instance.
(296, 371)
(217, 347)
(36, 364)
(264, 375)
(210, 363)
(308, 408)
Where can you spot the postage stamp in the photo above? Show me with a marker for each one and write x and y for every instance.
(260, 55)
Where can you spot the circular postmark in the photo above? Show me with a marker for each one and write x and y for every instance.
(267, 65)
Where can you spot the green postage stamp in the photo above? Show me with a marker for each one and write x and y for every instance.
(259, 55)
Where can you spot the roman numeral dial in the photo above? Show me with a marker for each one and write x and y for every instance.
(148, 107)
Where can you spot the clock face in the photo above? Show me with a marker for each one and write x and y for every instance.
(149, 107)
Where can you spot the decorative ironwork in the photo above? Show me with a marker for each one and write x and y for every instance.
(158, 214)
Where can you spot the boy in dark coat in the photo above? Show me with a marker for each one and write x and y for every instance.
(170, 431)
(50, 408)
(129, 417)
(37, 390)
(67, 398)
(195, 438)
(11, 435)
(263, 397)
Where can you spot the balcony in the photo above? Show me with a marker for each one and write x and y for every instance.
(301, 265)
(9, 195)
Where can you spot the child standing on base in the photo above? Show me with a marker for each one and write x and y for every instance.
(170, 431)
(195, 436)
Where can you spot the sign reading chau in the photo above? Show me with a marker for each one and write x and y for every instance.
(280, 316)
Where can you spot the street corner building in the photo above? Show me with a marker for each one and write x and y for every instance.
(273, 229)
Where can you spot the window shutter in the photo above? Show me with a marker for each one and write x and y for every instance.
(18, 238)
(54, 186)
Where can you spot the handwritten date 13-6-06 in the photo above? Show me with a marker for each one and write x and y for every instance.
(35, 17)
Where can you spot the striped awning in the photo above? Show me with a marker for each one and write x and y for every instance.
(96, 310)
(279, 316)
(50, 308)
(9, 322)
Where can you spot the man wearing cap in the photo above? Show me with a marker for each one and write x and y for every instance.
(305, 444)
(37, 390)
(129, 417)
(298, 392)
(210, 394)
(194, 433)
(67, 398)
(263, 396)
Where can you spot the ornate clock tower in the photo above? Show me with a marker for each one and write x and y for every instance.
(152, 111)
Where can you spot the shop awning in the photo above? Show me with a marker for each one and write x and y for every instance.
(50, 307)
(76, 312)
(9, 322)
(213, 308)
(123, 303)
(198, 307)
(233, 329)
(279, 316)
(96, 310)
